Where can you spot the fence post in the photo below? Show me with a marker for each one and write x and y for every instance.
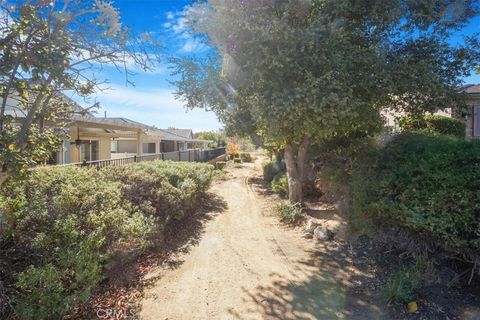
(179, 156)
(84, 163)
(135, 158)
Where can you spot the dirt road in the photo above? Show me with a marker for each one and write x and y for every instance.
(248, 266)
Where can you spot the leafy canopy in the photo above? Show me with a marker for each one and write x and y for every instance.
(292, 70)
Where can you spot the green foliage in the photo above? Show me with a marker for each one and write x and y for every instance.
(318, 70)
(40, 58)
(271, 169)
(280, 184)
(220, 165)
(237, 160)
(72, 220)
(218, 138)
(433, 124)
(246, 157)
(290, 212)
(402, 286)
(426, 184)
(163, 189)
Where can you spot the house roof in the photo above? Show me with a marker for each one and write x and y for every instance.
(165, 134)
(186, 133)
(84, 117)
(473, 90)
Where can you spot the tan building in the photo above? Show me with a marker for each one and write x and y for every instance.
(94, 138)
(471, 116)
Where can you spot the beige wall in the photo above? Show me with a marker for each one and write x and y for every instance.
(128, 146)
(103, 145)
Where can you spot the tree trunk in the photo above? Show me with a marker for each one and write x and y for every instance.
(295, 162)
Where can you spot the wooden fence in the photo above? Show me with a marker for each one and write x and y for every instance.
(195, 155)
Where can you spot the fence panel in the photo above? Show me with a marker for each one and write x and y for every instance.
(188, 155)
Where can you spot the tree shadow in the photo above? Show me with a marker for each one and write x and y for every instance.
(127, 279)
(322, 288)
(260, 186)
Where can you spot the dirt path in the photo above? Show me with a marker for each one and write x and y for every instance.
(248, 266)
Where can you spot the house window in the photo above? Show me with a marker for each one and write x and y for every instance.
(149, 147)
(89, 150)
(114, 146)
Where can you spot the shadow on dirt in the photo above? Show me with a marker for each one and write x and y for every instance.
(126, 280)
(325, 289)
(260, 186)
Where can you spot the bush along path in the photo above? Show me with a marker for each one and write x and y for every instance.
(248, 265)
(66, 228)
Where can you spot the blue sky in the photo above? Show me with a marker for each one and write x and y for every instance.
(151, 101)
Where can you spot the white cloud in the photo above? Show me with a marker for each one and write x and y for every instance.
(193, 45)
(177, 24)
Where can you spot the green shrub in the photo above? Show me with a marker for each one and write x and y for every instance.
(246, 157)
(433, 124)
(71, 220)
(220, 165)
(271, 169)
(402, 286)
(290, 212)
(237, 160)
(428, 185)
(280, 184)
(164, 189)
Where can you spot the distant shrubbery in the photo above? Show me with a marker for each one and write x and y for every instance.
(433, 124)
(280, 184)
(71, 220)
(428, 185)
(271, 169)
(246, 157)
(220, 165)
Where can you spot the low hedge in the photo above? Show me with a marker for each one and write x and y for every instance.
(271, 169)
(70, 221)
(428, 185)
(280, 184)
(433, 124)
(164, 189)
(246, 157)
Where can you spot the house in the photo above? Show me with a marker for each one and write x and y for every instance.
(115, 138)
(155, 140)
(471, 116)
(96, 138)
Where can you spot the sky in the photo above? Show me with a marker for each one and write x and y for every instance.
(152, 99)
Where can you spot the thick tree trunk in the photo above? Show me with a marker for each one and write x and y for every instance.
(295, 162)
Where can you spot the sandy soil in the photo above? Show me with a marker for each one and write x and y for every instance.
(249, 266)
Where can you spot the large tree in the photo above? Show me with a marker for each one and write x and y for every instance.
(48, 48)
(298, 71)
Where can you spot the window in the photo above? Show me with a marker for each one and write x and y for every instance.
(114, 146)
(149, 147)
(89, 150)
